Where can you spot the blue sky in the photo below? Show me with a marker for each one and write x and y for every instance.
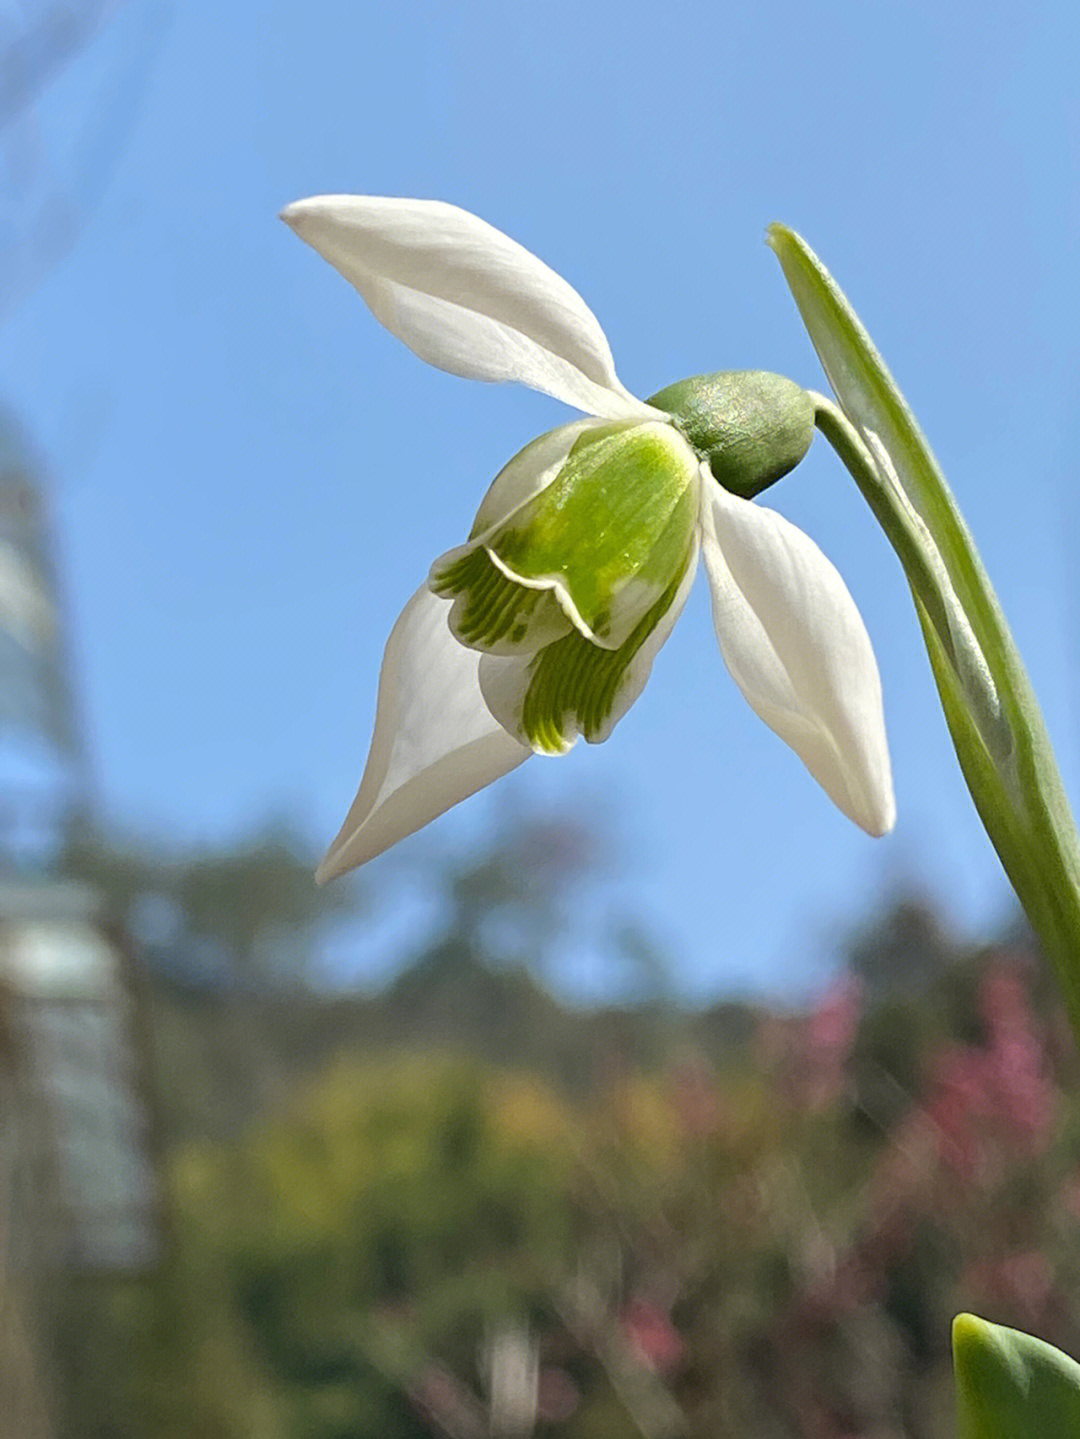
(251, 477)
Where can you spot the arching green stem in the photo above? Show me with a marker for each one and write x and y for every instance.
(994, 719)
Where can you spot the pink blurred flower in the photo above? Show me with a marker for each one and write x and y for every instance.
(651, 1334)
(812, 1049)
(557, 1396)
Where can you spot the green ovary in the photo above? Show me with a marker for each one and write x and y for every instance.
(574, 684)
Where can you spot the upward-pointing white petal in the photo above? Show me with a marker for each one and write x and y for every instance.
(796, 646)
(466, 297)
(435, 742)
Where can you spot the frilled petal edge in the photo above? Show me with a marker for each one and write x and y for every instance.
(435, 742)
(465, 297)
(796, 646)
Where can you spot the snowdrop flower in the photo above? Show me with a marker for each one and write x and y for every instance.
(544, 625)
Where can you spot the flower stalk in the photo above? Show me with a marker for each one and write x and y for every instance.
(993, 717)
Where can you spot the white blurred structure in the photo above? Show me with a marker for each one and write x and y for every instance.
(77, 1179)
(66, 1001)
(44, 771)
(78, 1185)
(69, 1006)
(513, 1382)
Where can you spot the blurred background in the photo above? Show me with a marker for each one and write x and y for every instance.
(642, 1095)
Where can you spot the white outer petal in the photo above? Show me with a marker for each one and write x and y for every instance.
(465, 297)
(796, 646)
(435, 742)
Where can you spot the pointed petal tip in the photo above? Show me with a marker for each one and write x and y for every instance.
(875, 811)
(867, 796)
(343, 854)
(330, 866)
(882, 820)
(299, 213)
(318, 216)
(293, 214)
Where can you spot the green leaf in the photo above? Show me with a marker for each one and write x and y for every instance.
(994, 719)
(1010, 1385)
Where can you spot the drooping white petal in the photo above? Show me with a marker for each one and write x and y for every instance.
(435, 742)
(465, 297)
(796, 646)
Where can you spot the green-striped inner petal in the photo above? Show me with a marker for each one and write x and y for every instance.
(612, 527)
(491, 612)
(574, 684)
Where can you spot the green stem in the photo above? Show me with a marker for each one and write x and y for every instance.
(895, 521)
(1011, 774)
(993, 717)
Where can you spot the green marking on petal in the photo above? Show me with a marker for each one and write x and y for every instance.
(574, 684)
(611, 529)
(594, 549)
(491, 612)
(531, 470)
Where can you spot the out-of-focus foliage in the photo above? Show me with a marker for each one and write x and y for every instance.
(236, 916)
(461, 1208)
